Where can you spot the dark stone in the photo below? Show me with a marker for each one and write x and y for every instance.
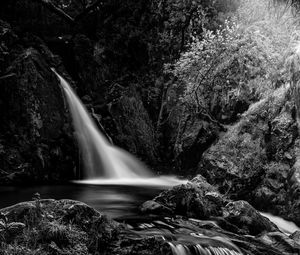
(196, 199)
(281, 241)
(244, 216)
(35, 127)
(296, 236)
(152, 207)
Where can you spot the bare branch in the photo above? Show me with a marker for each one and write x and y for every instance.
(48, 4)
(52, 7)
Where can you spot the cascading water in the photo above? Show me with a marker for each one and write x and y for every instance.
(105, 163)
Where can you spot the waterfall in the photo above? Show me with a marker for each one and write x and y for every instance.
(103, 161)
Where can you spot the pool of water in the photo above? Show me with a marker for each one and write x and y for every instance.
(117, 201)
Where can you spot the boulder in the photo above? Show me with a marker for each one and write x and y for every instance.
(152, 207)
(255, 159)
(135, 131)
(246, 218)
(196, 199)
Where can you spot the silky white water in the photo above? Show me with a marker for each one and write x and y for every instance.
(105, 163)
(285, 226)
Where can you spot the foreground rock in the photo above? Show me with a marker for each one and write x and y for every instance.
(237, 220)
(68, 227)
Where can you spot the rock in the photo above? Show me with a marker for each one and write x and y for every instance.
(281, 241)
(152, 207)
(20, 212)
(63, 226)
(196, 199)
(135, 131)
(33, 114)
(245, 217)
(296, 237)
(254, 160)
(194, 136)
(79, 213)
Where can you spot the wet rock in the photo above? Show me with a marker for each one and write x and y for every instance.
(152, 207)
(281, 242)
(196, 199)
(245, 217)
(296, 237)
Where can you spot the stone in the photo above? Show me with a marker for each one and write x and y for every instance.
(152, 207)
(244, 216)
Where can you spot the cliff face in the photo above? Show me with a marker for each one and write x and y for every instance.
(255, 159)
(36, 135)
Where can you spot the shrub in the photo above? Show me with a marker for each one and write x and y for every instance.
(244, 58)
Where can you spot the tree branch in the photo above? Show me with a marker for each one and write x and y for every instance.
(48, 4)
(52, 7)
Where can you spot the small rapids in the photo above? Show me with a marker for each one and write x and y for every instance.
(192, 237)
(182, 249)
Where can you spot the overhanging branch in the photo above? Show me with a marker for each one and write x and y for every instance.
(48, 4)
(52, 7)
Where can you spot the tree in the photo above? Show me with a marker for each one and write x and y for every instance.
(241, 60)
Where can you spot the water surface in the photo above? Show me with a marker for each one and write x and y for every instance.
(117, 201)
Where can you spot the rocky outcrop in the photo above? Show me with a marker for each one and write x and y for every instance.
(198, 199)
(255, 159)
(195, 134)
(36, 140)
(68, 227)
(216, 215)
(135, 131)
(243, 215)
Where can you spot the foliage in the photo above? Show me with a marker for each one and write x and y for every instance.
(181, 19)
(54, 231)
(242, 59)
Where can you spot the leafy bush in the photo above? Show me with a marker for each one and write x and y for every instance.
(242, 60)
